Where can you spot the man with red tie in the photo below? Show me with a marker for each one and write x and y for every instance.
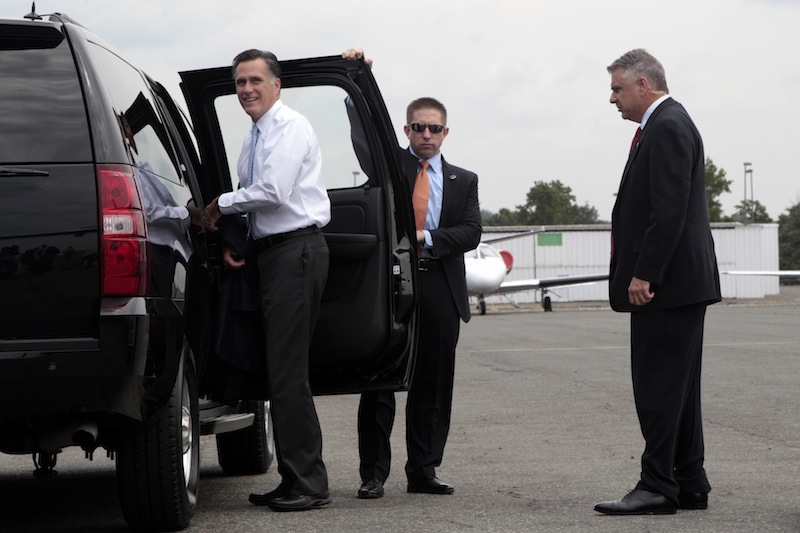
(664, 272)
(448, 224)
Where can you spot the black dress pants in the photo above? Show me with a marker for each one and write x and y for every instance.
(666, 357)
(292, 277)
(430, 396)
(375, 420)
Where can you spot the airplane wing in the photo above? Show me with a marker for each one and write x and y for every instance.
(545, 283)
(762, 272)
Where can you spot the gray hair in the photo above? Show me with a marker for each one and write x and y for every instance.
(269, 58)
(640, 62)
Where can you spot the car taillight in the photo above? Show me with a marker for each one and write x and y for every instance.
(123, 241)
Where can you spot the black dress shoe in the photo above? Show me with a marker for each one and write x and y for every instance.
(299, 503)
(429, 485)
(693, 500)
(371, 489)
(638, 501)
(264, 499)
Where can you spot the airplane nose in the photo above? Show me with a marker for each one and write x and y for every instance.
(508, 259)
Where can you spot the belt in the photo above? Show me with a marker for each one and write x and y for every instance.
(428, 265)
(274, 240)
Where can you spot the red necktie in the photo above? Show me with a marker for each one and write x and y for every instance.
(633, 145)
(419, 199)
(635, 139)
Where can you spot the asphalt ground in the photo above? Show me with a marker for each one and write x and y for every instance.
(543, 428)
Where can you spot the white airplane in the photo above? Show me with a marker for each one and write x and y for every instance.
(487, 268)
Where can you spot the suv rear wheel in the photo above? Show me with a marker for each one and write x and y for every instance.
(158, 462)
(249, 450)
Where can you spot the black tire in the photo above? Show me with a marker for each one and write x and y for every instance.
(250, 450)
(158, 462)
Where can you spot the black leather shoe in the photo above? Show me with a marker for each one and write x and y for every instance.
(264, 499)
(429, 485)
(371, 489)
(638, 501)
(299, 503)
(693, 500)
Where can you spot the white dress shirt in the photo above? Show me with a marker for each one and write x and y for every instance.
(649, 110)
(287, 191)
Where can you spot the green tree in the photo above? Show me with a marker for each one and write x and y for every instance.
(716, 184)
(504, 217)
(586, 214)
(789, 238)
(751, 211)
(550, 203)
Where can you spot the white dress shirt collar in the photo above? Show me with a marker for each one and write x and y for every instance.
(650, 110)
(267, 117)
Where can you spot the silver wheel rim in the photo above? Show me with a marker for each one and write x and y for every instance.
(186, 436)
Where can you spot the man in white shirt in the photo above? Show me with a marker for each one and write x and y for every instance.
(286, 202)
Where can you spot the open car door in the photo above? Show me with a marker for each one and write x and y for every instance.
(365, 337)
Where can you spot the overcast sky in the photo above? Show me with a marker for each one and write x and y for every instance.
(524, 81)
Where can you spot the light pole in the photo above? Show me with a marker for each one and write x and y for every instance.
(355, 174)
(749, 170)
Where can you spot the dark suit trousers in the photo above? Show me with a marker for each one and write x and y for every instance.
(666, 357)
(430, 396)
(375, 420)
(292, 277)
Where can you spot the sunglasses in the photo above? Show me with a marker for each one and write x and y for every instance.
(419, 128)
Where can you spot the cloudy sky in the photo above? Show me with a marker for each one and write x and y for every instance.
(524, 81)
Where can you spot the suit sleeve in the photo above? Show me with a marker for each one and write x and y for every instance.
(465, 235)
(670, 186)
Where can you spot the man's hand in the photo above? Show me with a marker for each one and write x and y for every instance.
(211, 215)
(354, 54)
(232, 260)
(639, 292)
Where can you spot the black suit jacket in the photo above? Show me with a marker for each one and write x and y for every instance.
(660, 227)
(459, 226)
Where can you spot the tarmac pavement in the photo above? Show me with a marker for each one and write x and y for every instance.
(543, 428)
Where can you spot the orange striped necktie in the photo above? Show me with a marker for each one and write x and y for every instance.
(419, 199)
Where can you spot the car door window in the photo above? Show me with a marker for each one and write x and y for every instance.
(324, 107)
(140, 120)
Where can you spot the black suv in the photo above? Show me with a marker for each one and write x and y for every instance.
(107, 292)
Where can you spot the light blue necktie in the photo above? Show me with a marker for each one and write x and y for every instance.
(249, 177)
(253, 146)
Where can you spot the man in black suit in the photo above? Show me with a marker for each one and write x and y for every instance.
(664, 272)
(450, 225)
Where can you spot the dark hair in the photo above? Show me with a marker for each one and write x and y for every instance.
(426, 102)
(273, 66)
(640, 62)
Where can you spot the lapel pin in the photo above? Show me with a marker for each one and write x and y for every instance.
(452, 176)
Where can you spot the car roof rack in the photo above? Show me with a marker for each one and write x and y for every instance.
(54, 17)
